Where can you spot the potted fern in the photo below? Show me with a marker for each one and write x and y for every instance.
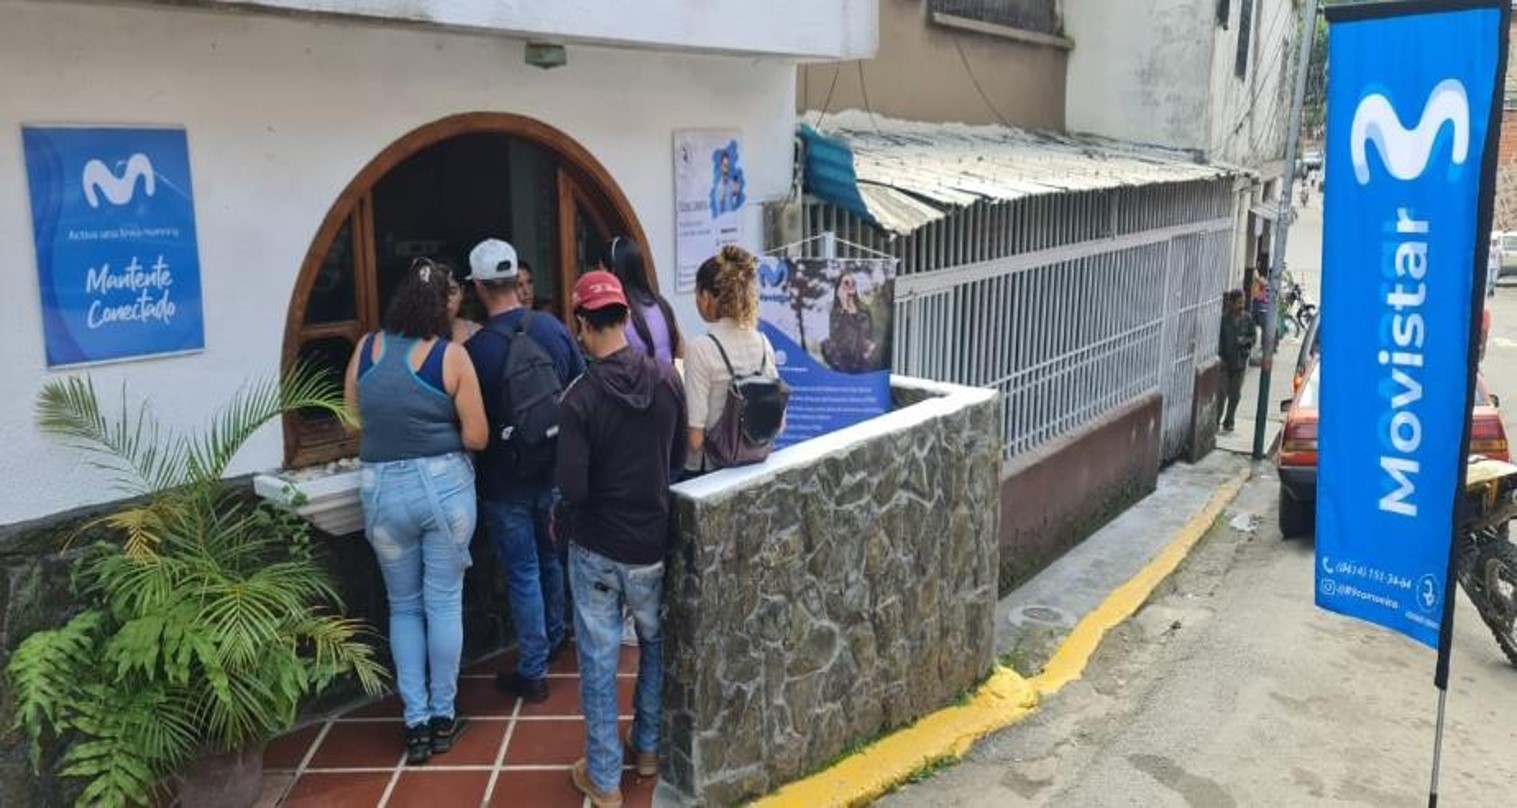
(202, 629)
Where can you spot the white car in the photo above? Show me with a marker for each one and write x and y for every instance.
(1508, 254)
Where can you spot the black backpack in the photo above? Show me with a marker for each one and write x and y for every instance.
(527, 431)
(751, 418)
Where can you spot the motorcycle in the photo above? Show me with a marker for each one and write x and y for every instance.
(1294, 305)
(1487, 561)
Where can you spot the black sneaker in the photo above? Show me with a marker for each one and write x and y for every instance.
(445, 733)
(418, 745)
(534, 691)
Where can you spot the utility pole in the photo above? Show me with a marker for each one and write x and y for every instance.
(1282, 226)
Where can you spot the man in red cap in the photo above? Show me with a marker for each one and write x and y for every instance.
(621, 428)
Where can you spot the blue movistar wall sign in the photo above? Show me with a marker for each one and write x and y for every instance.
(113, 219)
(1410, 99)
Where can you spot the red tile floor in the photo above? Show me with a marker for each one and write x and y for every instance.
(513, 753)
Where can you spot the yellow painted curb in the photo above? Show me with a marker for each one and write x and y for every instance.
(1003, 700)
(1069, 662)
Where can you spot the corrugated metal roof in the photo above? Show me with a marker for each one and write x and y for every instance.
(911, 173)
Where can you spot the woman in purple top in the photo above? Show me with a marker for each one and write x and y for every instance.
(651, 329)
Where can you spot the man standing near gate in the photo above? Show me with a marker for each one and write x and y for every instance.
(524, 360)
(1234, 344)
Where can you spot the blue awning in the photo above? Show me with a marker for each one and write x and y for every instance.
(829, 174)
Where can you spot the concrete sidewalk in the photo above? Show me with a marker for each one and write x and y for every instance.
(1033, 621)
(1241, 440)
(1050, 627)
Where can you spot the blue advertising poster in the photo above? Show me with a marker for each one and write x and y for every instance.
(1409, 117)
(830, 323)
(113, 218)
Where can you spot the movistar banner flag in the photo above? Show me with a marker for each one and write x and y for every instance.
(1411, 106)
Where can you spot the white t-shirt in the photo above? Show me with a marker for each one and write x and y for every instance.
(706, 376)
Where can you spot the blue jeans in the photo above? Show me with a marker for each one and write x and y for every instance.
(518, 530)
(600, 587)
(419, 516)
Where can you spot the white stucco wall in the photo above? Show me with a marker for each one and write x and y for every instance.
(1140, 70)
(281, 113)
(1251, 115)
(824, 29)
(1163, 72)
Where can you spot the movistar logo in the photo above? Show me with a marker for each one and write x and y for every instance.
(1405, 152)
(772, 273)
(1405, 324)
(118, 189)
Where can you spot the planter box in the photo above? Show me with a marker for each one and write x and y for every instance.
(326, 496)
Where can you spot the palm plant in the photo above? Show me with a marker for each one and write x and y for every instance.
(209, 622)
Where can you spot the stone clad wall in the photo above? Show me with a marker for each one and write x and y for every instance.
(36, 565)
(827, 597)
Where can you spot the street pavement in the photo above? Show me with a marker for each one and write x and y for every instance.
(1033, 620)
(1230, 688)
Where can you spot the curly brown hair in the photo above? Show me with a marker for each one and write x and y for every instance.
(419, 309)
(731, 276)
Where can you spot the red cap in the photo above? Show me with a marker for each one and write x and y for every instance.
(597, 290)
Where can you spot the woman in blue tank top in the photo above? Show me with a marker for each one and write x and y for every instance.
(418, 401)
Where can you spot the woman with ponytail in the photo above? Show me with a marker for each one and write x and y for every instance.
(651, 329)
(726, 294)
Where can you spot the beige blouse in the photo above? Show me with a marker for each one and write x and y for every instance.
(706, 376)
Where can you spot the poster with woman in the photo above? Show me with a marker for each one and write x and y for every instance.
(830, 322)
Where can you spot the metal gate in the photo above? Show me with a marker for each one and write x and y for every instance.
(1071, 306)
(1198, 270)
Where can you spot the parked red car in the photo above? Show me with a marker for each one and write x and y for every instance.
(1297, 460)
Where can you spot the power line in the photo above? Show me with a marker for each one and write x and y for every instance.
(1275, 112)
(864, 90)
(1249, 107)
(1260, 68)
(976, 82)
(837, 70)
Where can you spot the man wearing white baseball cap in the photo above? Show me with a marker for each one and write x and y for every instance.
(524, 360)
(493, 260)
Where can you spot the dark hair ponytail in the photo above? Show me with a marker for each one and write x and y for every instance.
(623, 258)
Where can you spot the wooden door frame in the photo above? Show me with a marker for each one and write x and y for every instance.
(572, 191)
(592, 182)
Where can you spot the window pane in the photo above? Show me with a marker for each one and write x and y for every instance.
(330, 356)
(1029, 15)
(1245, 30)
(588, 240)
(332, 295)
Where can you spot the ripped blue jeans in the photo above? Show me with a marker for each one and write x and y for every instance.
(601, 588)
(419, 516)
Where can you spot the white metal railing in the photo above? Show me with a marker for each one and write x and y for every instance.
(1071, 306)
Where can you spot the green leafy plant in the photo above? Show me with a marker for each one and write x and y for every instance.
(205, 627)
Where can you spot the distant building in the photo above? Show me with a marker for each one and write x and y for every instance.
(1070, 187)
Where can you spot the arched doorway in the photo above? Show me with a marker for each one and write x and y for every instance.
(436, 192)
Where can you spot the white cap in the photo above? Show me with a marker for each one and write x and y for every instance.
(492, 260)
